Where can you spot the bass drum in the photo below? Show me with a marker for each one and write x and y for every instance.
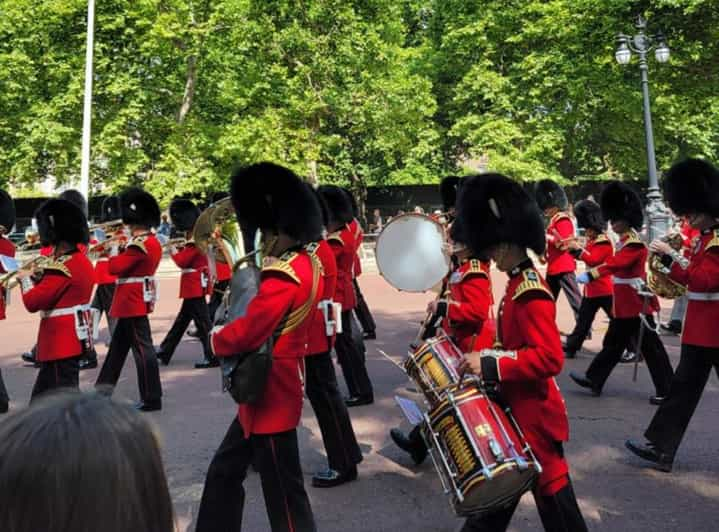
(410, 253)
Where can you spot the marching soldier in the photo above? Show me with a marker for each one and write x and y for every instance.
(560, 263)
(275, 200)
(102, 302)
(691, 189)
(597, 293)
(7, 249)
(689, 236)
(465, 308)
(350, 354)
(223, 274)
(61, 292)
(194, 286)
(523, 368)
(338, 436)
(135, 297)
(362, 311)
(623, 208)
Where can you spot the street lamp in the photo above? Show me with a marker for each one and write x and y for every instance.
(659, 217)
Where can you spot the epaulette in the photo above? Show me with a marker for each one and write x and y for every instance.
(601, 239)
(336, 237)
(633, 239)
(561, 215)
(139, 243)
(282, 265)
(58, 265)
(530, 282)
(312, 248)
(714, 242)
(475, 268)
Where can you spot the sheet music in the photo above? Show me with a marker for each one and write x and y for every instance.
(410, 409)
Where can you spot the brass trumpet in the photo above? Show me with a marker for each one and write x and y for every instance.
(179, 242)
(9, 280)
(109, 227)
(95, 249)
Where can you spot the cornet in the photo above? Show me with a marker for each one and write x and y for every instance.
(9, 280)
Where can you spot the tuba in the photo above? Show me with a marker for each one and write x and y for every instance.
(658, 279)
(217, 233)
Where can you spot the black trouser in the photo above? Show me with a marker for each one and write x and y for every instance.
(277, 459)
(568, 282)
(352, 360)
(618, 338)
(4, 397)
(103, 301)
(57, 374)
(558, 512)
(587, 311)
(216, 299)
(193, 309)
(362, 311)
(341, 445)
(672, 418)
(133, 333)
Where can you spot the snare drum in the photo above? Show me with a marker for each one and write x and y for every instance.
(481, 455)
(433, 366)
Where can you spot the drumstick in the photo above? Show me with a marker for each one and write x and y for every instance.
(415, 344)
(400, 366)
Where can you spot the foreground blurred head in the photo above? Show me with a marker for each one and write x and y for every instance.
(81, 463)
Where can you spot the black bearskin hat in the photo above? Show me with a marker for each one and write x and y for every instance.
(458, 233)
(60, 220)
(270, 197)
(550, 194)
(620, 202)
(184, 214)
(448, 190)
(338, 204)
(353, 203)
(7, 211)
(75, 197)
(692, 186)
(110, 209)
(139, 208)
(323, 205)
(492, 209)
(589, 215)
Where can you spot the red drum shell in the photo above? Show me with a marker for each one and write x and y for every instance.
(492, 463)
(433, 366)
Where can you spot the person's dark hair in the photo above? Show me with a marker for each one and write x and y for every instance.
(82, 463)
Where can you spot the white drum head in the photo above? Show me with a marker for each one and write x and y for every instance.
(410, 253)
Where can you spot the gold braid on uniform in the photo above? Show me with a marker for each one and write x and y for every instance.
(530, 282)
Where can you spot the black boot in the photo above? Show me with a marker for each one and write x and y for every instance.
(332, 478)
(584, 382)
(648, 451)
(415, 447)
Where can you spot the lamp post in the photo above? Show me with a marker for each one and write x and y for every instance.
(87, 107)
(659, 217)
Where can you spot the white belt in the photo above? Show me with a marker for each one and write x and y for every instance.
(634, 281)
(703, 296)
(64, 311)
(132, 280)
(103, 259)
(189, 270)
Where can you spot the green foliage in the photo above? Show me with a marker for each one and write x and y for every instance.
(358, 92)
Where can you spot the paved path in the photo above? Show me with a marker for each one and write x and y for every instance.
(615, 492)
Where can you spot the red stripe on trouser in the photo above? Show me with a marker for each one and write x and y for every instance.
(142, 354)
(279, 478)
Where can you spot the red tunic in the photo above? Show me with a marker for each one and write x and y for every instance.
(559, 260)
(358, 235)
(224, 271)
(195, 268)
(139, 260)
(285, 291)
(344, 248)
(66, 283)
(627, 266)
(319, 342)
(595, 253)
(469, 299)
(701, 277)
(528, 331)
(7, 248)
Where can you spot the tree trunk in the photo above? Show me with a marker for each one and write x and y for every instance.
(190, 85)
